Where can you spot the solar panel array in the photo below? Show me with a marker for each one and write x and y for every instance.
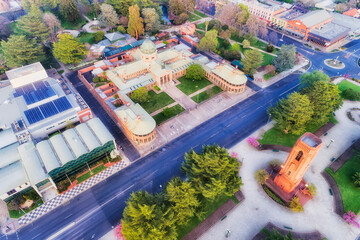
(35, 92)
(46, 110)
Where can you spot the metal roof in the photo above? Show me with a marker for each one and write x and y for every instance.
(12, 177)
(87, 136)
(314, 17)
(9, 155)
(75, 142)
(61, 149)
(47, 155)
(7, 137)
(100, 130)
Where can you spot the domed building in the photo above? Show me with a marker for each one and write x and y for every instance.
(148, 51)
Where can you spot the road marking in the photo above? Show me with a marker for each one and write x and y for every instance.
(68, 216)
(35, 236)
(61, 231)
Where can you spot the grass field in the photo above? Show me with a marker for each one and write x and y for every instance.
(201, 26)
(156, 101)
(175, 110)
(200, 14)
(190, 86)
(206, 94)
(193, 18)
(18, 213)
(278, 137)
(346, 84)
(267, 59)
(87, 37)
(72, 26)
(350, 194)
(88, 175)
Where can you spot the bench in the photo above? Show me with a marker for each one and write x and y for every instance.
(223, 217)
(325, 134)
(275, 150)
(332, 159)
(331, 193)
(288, 227)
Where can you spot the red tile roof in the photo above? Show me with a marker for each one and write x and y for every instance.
(351, 12)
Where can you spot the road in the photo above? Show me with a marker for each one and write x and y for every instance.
(92, 213)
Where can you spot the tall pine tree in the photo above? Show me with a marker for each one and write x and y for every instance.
(69, 10)
(135, 25)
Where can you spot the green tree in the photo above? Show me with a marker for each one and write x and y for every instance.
(99, 36)
(121, 29)
(69, 10)
(140, 95)
(246, 43)
(236, 47)
(356, 179)
(295, 205)
(135, 25)
(292, 114)
(275, 235)
(148, 217)
(209, 42)
(206, 25)
(350, 94)
(195, 72)
(325, 98)
(213, 172)
(261, 176)
(97, 8)
(183, 198)
(18, 51)
(151, 19)
(54, 25)
(307, 80)
(69, 50)
(32, 25)
(121, 6)
(312, 189)
(285, 58)
(252, 61)
(176, 7)
(108, 15)
(148, 4)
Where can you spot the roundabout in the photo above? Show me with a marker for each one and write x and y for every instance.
(334, 63)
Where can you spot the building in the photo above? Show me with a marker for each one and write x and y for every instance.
(37, 105)
(147, 67)
(299, 159)
(187, 28)
(264, 10)
(4, 5)
(328, 5)
(352, 12)
(41, 165)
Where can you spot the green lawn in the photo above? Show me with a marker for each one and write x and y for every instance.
(210, 208)
(278, 137)
(346, 84)
(73, 26)
(263, 46)
(267, 59)
(175, 110)
(200, 14)
(190, 86)
(201, 26)
(206, 94)
(193, 18)
(88, 175)
(267, 76)
(350, 194)
(87, 37)
(236, 38)
(16, 214)
(156, 101)
(200, 31)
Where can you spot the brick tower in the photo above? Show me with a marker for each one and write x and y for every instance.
(297, 162)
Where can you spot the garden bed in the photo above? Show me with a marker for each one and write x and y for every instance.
(267, 76)
(190, 86)
(88, 175)
(20, 199)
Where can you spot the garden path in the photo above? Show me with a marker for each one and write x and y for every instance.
(251, 216)
(180, 97)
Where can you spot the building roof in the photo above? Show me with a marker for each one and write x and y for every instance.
(330, 31)
(114, 36)
(7, 137)
(148, 47)
(12, 177)
(230, 74)
(104, 43)
(314, 17)
(9, 155)
(100, 130)
(32, 163)
(47, 155)
(87, 136)
(61, 148)
(25, 70)
(9, 106)
(352, 12)
(73, 140)
(347, 21)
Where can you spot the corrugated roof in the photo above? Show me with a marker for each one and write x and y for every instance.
(32, 163)
(7, 137)
(230, 74)
(87, 136)
(61, 149)
(47, 155)
(12, 177)
(75, 142)
(314, 17)
(100, 130)
(9, 154)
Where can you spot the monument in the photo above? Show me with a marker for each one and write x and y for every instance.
(288, 182)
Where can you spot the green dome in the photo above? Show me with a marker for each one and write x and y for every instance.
(148, 47)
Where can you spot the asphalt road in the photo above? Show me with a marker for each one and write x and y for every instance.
(92, 213)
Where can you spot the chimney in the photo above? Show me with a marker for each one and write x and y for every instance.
(138, 117)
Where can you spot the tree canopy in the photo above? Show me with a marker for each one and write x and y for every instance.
(308, 80)
(69, 50)
(252, 61)
(140, 95)
(108, 15)
(135, 25)
(195, 72)
(285, 58)
(151, 19)
(209, 42)
(69, 10)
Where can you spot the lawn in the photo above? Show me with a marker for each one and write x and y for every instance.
(193, 18)
(350, 194)
(190, 86)
(200, 14)
(88, 175)
(87, 37)
(175, 110)
(156, 101)
(267, 59)
(346, 84)
(263, 46)
(278, 137)
(206, 94)
(16, 214)
(201, 26)
(72, 26)
(267, 76)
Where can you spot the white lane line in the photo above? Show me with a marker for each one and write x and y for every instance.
(61, 231)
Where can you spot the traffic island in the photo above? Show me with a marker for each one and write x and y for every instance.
(334, 63)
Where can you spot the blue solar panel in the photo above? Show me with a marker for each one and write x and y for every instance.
(32, 95)
(34, 115)
(62, 104)
(48, 109)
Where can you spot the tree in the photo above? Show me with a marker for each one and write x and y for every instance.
(341, 7)
(189, 5)
(270, 48)
(19, 51)
(151, 19)
(275, 163)
(85, 7)
(135, 26)
(69, 10)
(27, 4)
(140, 95)
(206, 25)
(312, 189)
(275, 235)
(228, 14)
(121, 6)
(54, 25)
(261, 176)
(273, 37)
(108, 15)
(124, 21)
(350, 94)
(270, 69)
(148, 4)
(236, 47)
(226, 34)
(183, 198)
(308, 80)
(232, 55)
(195, 72)
(213, 172)
(285, 58)
(263, 31)
(99, 36)
(292, 114)
(295, 205)
(252, 26)
(97, 8)
(69, 50)
(325, 98)
(176, 7)
(121, 29)
(209, 41)
(246, 43)
(4, 28)
(148, 217)
(356, 179)
(252, 61)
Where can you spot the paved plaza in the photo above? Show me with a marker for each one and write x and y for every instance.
(257, 209)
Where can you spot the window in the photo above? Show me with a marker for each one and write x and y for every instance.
(296, 28)
(302, 30)
(289, 26)
(11, 192)
(299, 155)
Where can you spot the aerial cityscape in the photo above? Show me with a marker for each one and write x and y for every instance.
(180, 119)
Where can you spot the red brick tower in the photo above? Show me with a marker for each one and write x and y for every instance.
(297, 162)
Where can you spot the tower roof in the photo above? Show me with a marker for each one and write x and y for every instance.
(148, 47)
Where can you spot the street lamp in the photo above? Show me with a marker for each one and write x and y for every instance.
(331, 141)
(268, 118)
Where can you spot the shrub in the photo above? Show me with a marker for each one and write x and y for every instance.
(261, 176)
(116, 96)
(167, 112)
(351, 218)
(253, 142)
(157, 88)
(270, 69)
(295, 205)
(226, 44)
(166, 43)
(3, 69)
(246, 43)
(356, 179)
(270, 48)
(181, 19)
(99, 36)
(225, 27)
(96, 79)
(351, 94)
(121, 29)
(273, 196)
(231, 55)
(275, 163)
(312, 189)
